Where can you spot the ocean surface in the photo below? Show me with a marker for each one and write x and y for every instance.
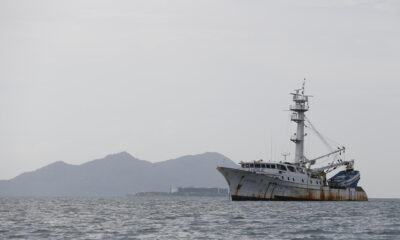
(165, 217)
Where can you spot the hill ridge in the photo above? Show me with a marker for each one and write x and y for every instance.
(117, 174)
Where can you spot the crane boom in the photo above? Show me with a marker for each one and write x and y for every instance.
(327, 155)
(312, 161)
(349, 164)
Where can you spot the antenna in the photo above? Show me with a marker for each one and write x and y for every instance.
(271, 148)
(285, 155)
(304, 84)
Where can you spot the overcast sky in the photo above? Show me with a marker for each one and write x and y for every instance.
(161, 79)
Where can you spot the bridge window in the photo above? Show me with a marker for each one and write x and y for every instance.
(272, 165)
(281, 167)
(267, 166)
(247, 165)
(257, 165)
(251, 165)
(291, 168)
(263, 165)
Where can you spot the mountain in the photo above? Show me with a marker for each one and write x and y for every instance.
(118, 174)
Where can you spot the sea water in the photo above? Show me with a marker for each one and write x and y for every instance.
(172, 217)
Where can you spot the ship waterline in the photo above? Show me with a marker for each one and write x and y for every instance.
(247, 185)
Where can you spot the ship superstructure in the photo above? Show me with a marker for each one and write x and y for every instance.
(297, 180)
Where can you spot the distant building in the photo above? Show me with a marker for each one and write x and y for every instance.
(199, 191)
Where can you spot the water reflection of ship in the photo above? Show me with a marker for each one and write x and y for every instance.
(297, 180)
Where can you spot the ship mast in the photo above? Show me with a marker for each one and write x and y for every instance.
(299, 108)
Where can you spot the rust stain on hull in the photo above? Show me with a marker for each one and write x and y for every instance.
(334, 195)
(272, 191)
(350, 194)
(270, 188)
(239, 186)
(266, 190)
(323, 194)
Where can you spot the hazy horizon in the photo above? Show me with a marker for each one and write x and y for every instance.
(162, 79)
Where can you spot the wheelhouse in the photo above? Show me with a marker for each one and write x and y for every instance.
(284, 171)
(260, 165)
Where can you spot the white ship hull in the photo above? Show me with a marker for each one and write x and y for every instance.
(247, 185)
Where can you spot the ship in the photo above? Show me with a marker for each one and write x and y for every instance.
(298, 179)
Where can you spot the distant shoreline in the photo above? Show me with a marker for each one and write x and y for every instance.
(153, 194)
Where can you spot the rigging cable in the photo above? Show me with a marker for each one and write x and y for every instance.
(323, 139)
(319, 134)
